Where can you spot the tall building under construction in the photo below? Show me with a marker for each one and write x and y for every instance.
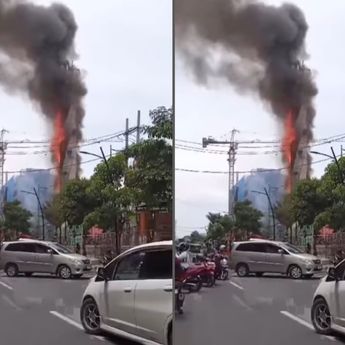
(71, 165)
(301, 167)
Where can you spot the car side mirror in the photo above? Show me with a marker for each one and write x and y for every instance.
(332, 275)
(102, 274)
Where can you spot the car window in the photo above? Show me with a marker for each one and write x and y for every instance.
(252, 247)
(129, 267)
(340, 270)
(272, 249)
(157, 265)
(41, 249)
(21, 247)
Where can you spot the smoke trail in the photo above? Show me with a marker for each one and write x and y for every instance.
(254, 46)
(35, 44)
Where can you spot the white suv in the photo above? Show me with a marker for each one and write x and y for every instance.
(328, 310)
(133, 295)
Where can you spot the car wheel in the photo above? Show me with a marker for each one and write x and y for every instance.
(242, 270)
(11, 270)
(321, 317)
(259, 274)
(295, 272)
(28, 274)
(89, 316)
(64, 272)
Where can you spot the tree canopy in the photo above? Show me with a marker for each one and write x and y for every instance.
(16, 218)
(317, 202)
(246, 220)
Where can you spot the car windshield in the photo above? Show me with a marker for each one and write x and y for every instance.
(61, 249)
(292, 249)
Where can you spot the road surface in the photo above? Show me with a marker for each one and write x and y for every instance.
(245, 311)
(45, 311)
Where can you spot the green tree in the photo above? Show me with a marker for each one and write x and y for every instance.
(197, 237)
(219, 226)
(112, 196)
(16, 218)
(307, 201)
(151, 174)
(247, 217)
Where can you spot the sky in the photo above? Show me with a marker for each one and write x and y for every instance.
(203, 111)
(125, 51)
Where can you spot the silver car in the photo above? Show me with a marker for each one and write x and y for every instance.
(31, 256)
(272, 257)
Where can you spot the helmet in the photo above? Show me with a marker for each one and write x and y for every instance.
(222, 247)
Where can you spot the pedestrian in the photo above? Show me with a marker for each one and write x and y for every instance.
(77, 248)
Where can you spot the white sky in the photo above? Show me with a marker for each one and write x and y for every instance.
(125, 47)
(202, 112)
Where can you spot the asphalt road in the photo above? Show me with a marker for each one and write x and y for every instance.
(45, 311)
(244, 311)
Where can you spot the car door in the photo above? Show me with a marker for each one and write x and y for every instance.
(154, 294)
(26, 257)
(337, 296)
(119, 293)
(44, 258)
(256, 256)
(275, 259)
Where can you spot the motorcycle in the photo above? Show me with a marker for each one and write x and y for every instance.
(224, 273)
(204, 271)
(179, 296)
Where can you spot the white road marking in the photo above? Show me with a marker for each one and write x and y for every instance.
(11, 303)
(305, 324)
(6, 286)
(236, 285)
(73, 323)
(297, 319)
(242, 303)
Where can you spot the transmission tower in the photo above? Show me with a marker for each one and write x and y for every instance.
(3, 147)
(231, 159)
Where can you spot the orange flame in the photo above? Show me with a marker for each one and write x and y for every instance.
(58, 147)
(289, 147)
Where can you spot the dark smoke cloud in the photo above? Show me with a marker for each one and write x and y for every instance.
(253, 46)
(35, 43)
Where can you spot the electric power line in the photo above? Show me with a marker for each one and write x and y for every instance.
(249, 171)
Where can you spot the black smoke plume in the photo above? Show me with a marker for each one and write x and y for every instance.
(256, 47)
(36, 48)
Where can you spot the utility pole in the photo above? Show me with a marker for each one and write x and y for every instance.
(127, 134)
(138, 127)
(231, 159)
(3, 147)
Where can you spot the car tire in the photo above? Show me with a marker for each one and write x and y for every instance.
(295, 272)
(28, 274)
(89, 317)
(64, 272)
(320, 317)
(11, 270)
(242, 270)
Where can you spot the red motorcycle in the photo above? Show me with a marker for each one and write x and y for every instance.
(202, 274)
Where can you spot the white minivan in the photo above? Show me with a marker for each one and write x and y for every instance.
(328, 309)
(133, 295)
